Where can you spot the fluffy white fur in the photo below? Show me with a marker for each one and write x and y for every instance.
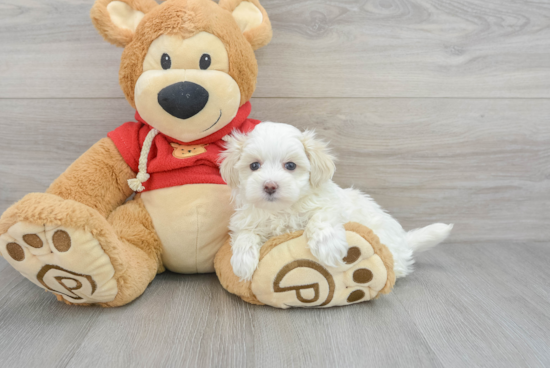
(305, 198)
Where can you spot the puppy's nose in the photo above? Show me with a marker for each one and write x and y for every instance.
(270, 187)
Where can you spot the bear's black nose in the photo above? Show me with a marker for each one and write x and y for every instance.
(183, 99)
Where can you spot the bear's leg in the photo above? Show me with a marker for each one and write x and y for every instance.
(136, 232)
(71, 250)
(288, 275)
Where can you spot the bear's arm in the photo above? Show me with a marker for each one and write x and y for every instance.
(98, 178)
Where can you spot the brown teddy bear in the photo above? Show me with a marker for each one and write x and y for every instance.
(189, 69)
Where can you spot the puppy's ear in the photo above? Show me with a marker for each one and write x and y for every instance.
(252, 20)
(117, 20)
(230, 157)
(322, 162)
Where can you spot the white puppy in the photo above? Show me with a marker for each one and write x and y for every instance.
(281, 182)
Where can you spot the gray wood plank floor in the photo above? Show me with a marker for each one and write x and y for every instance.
(439, 109)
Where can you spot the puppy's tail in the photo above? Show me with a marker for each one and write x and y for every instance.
(428, 237)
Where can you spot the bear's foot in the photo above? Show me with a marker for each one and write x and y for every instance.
(68, 262)
(288, 274)
(60, 245)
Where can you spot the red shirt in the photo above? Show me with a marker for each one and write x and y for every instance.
(167, 163)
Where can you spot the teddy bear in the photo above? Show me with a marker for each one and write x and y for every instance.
(149, 197)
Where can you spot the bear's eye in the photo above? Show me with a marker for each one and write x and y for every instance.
(255, 166)
(205, 61)
(165, 61)
(290, 166)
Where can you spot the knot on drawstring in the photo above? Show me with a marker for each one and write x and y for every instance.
(137, 184)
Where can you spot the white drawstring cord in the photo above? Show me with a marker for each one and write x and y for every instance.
(142, 176)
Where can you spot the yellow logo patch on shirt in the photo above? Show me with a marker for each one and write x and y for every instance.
(181, 151)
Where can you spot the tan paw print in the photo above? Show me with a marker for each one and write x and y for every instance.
(68, 262)
(290, 276)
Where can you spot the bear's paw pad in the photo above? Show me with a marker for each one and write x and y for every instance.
(68, 262)
(290, 276)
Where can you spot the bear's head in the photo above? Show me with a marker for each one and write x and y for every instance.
(187, 65)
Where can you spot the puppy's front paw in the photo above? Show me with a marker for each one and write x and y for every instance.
(328, 244)
(245, 262)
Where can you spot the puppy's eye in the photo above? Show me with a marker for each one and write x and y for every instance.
(255, 166)
(205, 61)
(290, 166)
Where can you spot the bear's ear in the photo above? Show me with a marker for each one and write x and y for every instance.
(252, 19)
(117, 20)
